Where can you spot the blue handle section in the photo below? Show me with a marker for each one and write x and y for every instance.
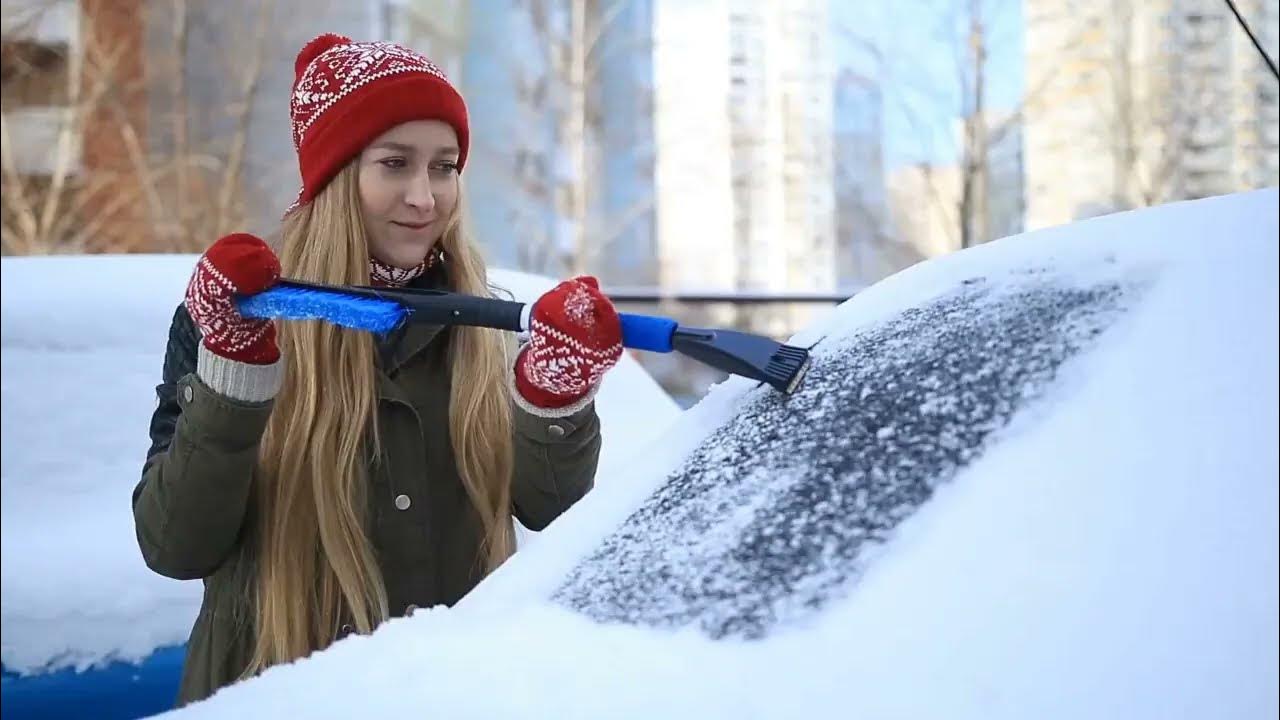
(642, 332)
(297, 302)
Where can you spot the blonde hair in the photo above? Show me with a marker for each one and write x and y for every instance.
(315, 567)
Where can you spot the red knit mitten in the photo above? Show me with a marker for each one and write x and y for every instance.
(236, 264)
(574, 338)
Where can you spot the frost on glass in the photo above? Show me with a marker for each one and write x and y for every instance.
(780, 510)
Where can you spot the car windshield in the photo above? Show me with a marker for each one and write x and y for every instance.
(780, 509)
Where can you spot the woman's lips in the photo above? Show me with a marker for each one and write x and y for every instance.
(411, 226)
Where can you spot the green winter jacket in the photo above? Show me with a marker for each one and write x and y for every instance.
(191, 505)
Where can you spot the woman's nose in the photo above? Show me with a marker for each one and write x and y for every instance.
(419, 194)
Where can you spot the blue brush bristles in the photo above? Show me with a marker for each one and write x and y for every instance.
(350, 311)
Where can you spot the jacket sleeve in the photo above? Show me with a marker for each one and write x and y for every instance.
(189, 507)
(555, 463)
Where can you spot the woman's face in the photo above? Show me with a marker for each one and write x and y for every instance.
(408, 190)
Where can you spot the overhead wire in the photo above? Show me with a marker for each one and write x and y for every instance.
(1257, 45)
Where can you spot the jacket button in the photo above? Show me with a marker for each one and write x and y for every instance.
(555, 431)
(403, 502)
(187, 393)
(410, 610)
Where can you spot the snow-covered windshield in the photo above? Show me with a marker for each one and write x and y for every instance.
(779, 509)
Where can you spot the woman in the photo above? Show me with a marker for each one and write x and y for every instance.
(321, 480)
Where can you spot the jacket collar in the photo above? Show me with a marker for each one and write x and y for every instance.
(408, 340)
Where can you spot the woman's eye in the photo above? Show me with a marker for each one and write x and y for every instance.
(395, 163)
(445, 167)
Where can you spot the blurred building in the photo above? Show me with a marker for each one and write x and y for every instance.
(862, 213)
(498, 54)
(926, 199)
(239, 54)
(199, 101)
(1006, 181)
(697, 248)
(160, 130)
(780, 108)
(925, 205)
(63, 145)
(513, 62)
(38, 39)
(1136, 103)
(622, 214)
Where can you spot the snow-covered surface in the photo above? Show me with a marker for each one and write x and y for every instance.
(83, 342)
(1033, 479)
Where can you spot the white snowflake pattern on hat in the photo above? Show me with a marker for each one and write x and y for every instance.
(343, 69)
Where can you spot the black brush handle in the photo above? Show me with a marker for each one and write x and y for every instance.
(438, 307)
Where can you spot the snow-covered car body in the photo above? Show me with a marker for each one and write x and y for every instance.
(1037, 478)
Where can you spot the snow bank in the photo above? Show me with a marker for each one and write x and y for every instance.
(1094, 532)
(83, 341)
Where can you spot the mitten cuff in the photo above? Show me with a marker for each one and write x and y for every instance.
(238, 380)
(547, 412)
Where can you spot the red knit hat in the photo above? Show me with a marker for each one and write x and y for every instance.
(346, 93)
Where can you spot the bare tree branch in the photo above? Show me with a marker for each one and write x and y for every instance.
(15, 195)
(248, 93)
(123, 196)
(178, 93)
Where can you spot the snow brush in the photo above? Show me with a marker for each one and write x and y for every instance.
(381, 310)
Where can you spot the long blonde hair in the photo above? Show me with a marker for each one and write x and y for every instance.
(314, 565)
